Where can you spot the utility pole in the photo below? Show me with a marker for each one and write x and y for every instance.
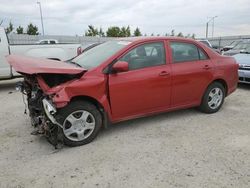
(213, 27)
(211, 19)
(206, 29)
(41, 14)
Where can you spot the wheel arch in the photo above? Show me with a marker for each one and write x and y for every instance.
(98, 104)
(223, 82)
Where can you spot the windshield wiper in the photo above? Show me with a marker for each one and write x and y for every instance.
(74, 63)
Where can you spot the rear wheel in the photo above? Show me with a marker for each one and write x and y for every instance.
(81, 123)
(213, 98)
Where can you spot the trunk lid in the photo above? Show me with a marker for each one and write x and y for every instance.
(28, 65)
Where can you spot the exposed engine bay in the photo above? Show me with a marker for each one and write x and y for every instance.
(41, 110)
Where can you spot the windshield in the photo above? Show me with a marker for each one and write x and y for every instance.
(241, 46)
(97, 55)
(234, 43)
(247, 50)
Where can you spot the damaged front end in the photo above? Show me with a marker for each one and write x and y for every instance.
(43, 78)
(43, 113)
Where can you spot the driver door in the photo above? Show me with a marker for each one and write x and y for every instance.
(145, 88)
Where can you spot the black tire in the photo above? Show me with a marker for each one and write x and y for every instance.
(77, 106)
(204, 106)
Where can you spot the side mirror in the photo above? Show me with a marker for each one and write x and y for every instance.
(120, 66)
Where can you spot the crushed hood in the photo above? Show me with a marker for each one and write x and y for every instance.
(28, 65)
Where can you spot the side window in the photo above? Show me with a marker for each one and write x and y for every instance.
(52, 42)
(186, 52)
(202, 54)
(146, 55)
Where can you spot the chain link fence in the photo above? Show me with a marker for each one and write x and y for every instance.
(220, 42)
(217, 42)
(16, 39)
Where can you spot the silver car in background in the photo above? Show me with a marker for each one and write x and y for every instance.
(239, 48)
(243, 59)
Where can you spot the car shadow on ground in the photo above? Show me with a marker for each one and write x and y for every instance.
(244, 86)
(147, 121)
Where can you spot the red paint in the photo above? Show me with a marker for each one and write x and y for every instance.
(29, 65)
(121, 66)
(141, 92)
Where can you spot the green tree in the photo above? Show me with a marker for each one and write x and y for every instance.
(101, 33)
(113, 31)
(128, 32)
(10, 28)
(193, 36)
(32, 29)
(180, 34)
(19, 30)
(137, 32)
(125, 32)
(92, 31)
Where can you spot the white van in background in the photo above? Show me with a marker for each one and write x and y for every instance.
(61, 52)
(47, 41)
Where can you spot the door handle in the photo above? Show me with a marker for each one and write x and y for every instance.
(164, 73)
(206, 67)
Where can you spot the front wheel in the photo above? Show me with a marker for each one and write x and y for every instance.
(213, 98)
(81, 122)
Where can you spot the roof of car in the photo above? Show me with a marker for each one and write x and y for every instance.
(145, 38)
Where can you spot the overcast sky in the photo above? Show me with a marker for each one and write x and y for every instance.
(71, 17)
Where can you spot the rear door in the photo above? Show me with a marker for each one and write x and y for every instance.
(145, 88)
(191, 73)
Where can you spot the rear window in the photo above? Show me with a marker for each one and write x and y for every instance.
(185, 52)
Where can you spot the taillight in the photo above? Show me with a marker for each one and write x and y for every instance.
(79, 50)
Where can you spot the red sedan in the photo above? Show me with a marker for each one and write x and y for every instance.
(119, 80)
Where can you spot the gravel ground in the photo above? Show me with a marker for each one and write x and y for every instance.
(178, 149)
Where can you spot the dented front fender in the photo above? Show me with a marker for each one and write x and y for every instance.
(94, 87)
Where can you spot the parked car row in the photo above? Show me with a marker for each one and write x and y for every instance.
(230, 46)
(240, 50)
(243, 59)
(233, 48)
